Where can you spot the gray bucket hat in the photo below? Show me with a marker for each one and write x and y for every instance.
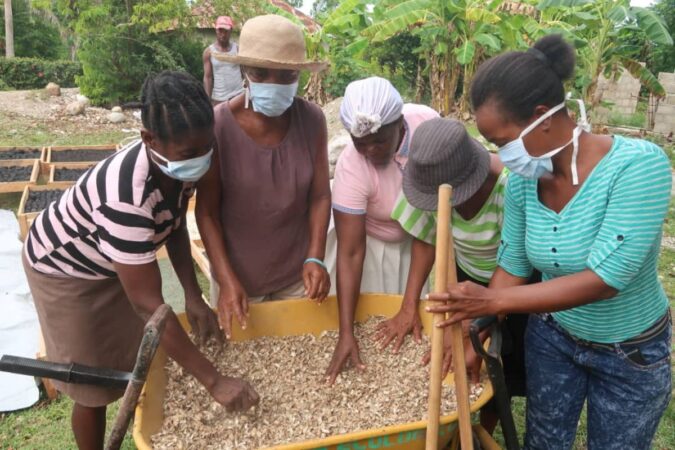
(441, 151)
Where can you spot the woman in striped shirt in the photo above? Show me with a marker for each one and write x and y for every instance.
(587, 211)
(90, 257)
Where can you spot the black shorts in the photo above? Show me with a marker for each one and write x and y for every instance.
(513, 345)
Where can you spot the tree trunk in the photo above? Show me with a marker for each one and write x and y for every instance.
(314, 90)
(420, 84)
(441, 85)
(9, 30)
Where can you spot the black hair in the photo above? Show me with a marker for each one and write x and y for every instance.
(173, 103)
(521, 81)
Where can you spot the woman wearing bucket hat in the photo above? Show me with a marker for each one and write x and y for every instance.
(372, 253)
(588, 211)
(263, 208)
(443, 152)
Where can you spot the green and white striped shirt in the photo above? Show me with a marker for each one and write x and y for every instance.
(612, 226)
(476, 240)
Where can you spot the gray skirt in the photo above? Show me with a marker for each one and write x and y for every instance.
(88, 322)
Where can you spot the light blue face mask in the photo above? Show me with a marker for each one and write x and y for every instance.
(188, 170)
(515, 156)
(270, 99)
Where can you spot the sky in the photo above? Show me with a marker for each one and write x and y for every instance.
(307, 5)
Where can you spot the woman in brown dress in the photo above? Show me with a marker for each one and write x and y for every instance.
(264, 206)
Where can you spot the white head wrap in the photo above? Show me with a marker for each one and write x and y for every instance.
(368, 104)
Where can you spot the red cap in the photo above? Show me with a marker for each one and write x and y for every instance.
(225, 22)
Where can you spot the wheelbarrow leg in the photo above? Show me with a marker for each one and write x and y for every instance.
(151, 337)
(496, 374)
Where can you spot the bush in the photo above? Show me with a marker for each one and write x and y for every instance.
(33, 73)
(35, 34)
(4, 86)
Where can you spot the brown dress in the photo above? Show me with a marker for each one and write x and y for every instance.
(265, 203)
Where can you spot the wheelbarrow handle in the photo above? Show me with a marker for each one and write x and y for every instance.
(68, 373)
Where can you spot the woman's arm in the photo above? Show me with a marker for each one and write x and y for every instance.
(407, 320)
(232, 300)
(316, 278)
(203, 321)
(351, 251)
(143, 286)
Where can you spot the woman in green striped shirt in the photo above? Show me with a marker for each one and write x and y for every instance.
(441, 151)
(587, 211)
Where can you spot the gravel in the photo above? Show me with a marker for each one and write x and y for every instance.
(39, 200)
(296, 405)
(81, 155)
(15, 173)
(68, 174)
(20, 154)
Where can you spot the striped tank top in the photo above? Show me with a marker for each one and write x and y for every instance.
(611, 226)
(114, 212)
(476, 239)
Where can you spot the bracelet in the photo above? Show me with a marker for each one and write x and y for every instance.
(317, 261)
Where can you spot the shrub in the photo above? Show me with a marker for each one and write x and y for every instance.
(33, 73)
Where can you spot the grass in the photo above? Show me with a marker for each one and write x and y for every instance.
(46, 426)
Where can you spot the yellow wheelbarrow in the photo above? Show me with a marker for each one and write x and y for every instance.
(296, 317)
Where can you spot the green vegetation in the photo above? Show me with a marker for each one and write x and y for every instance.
(34, 73)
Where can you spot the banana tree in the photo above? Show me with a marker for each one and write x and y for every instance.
(602, 29)
(428, 19)
(338, 38)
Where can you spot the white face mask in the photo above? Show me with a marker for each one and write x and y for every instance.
(515, 156)
(188, 170)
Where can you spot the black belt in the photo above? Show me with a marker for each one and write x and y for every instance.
(657, 328)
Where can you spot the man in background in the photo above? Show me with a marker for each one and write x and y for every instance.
(222, 80)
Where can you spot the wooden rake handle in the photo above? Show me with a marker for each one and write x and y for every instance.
(446, 273)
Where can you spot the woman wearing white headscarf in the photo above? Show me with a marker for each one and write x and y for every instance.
(373, 251)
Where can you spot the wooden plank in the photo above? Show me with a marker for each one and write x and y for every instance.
(26, 218)
(19, 186)
(7, 148)
(199, 255)
(54, 167)
(60, 148)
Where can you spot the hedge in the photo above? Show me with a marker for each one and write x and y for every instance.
(34, 73)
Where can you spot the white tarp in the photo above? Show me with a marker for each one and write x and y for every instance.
(19, 327)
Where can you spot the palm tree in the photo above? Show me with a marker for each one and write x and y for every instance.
(9, 30)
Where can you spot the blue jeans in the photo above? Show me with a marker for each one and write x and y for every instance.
(626, 395)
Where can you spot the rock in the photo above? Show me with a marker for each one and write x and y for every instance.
(116, 117)
(335, 147)
(332, 112)
(83, 99)
(466, 116)
(116, 109)
(75, 108)
(53, 89)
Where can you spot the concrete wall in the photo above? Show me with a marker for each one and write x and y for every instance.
(664, 120)
(623, 93)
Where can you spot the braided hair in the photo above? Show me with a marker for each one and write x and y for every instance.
(173, 103)
(521, 81)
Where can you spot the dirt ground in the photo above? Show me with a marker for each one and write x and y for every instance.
(22, 110)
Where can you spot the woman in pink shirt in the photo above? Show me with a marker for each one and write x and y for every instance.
(373, 251)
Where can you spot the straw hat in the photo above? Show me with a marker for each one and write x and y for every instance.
(441, 151)
(272, 42)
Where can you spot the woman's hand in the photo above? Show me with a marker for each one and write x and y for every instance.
(232, 301)
(234, 394)
(466, 300)
(471, 358)
(405, 322)
(203, 320)
(347, 349)
(316, 280)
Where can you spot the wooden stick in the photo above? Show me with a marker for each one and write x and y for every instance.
(445, 272)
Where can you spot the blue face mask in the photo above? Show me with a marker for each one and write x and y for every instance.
(515, 156)
(188, 170)
(271, 99)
